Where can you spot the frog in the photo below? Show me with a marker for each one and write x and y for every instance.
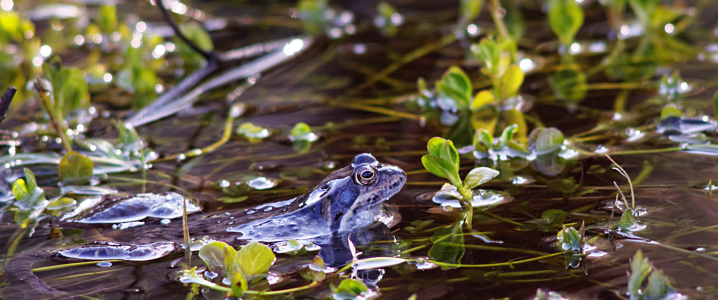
(346, 201)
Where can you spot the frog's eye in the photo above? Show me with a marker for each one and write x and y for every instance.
(365, 175)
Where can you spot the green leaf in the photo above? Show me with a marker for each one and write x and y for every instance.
(671, 111)
(481, 99)
(640, 267)
(302, 131)
(628, 220)
(448, 152)
(469, 10)
(350, 289)
(548, 140)
(511, 81)
(19, 189)
(442, 168)
(70, 91)
(456, 85)
(61, 203)
(448, 244)
(483, 140)
(488, 52)
(252, 132)
(479, 176)
(195, 33)
(565, 18)
(108, 18)
(254, 259)
(213, 255)
(644, 10)
(507, 135)
(75, 168)
(434, 146)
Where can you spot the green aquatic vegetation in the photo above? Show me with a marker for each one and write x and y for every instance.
(670, 111)
(302, 137)
(658, 286)
(312, 15)
(486, 146)
(443, 161)
(572, 242)
(253, 133)
(448, 243)
(244, 267)
(29, 200)
(565, 18)
(350, 289)
(195, 33)
(75, 169)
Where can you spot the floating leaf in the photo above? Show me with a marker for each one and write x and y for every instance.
(252, 132)
(350, 289)
(479, 176)
(213, 255)
(565, 18)
(75, 168)
(302, 132)
(254, 259)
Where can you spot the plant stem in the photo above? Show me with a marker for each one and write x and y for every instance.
(467, 197)
(496, 264)
(497, 17)
(47, 103)
(84, 263)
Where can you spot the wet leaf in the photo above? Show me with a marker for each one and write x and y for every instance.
(213, 255)
(628, 220)
(75, 168)
(61, 203)
(378, 262)
(448, 244)
(565, 18)
(640, 267)
(350, 289)
(479, 176)
(302, 132)
(442, 168)
(513, 116)
(254, 259)
(570, 239)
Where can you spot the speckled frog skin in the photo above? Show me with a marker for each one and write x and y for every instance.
(346, 200)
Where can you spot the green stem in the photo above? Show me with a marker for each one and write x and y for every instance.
(496, 264)
(496, 16)
(60, 128)
(466, 202)
(84, 263)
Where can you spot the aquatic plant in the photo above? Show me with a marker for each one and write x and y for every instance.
(658, 285)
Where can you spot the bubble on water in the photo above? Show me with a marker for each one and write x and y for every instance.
(104, 264)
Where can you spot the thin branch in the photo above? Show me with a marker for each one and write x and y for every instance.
(5, 102)
(59, 127)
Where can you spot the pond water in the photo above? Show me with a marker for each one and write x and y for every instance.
(641, 95)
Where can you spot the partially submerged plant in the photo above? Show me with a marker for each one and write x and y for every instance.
(629, 218)
(443, 161)
(658, 285)
(572, 241)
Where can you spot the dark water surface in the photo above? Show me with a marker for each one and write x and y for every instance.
(319, 87)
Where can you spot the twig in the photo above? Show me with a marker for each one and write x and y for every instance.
(630, 184)
(5, 102)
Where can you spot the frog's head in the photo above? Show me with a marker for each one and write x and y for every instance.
(354, 193)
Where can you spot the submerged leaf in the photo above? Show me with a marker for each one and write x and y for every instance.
(213, 255)
(254, 259)
(350, 289)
